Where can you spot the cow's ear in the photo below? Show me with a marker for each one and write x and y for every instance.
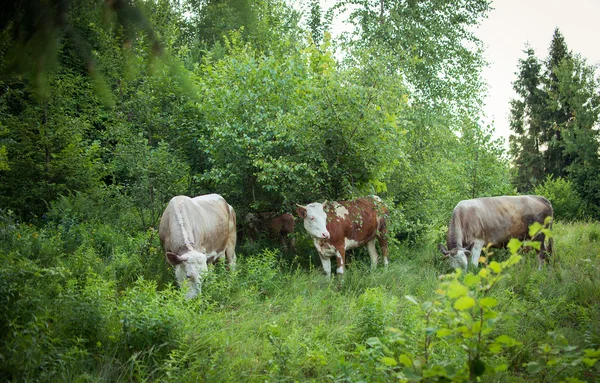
(173, 258)
(301, 211)
(443, 249)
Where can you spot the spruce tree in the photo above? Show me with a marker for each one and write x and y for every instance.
(555, 121)
(526, 121)
(558, 110)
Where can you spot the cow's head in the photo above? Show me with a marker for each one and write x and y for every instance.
(189, 267)
(457, 256)
(315, 219)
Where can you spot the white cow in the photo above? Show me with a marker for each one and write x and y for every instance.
(195, 232)
(494, 220)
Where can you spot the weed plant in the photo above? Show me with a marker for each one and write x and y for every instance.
(92, 303)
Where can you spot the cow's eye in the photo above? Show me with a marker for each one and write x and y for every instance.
(312, 218)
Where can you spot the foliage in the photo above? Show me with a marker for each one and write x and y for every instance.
(72, 313)
(555, 120)
(463, 316)
(420, 38)
(566, 202)
(375, 310)
(296, 128)
(253, 108)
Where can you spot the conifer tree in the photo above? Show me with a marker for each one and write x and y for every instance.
(527, 123)
(558, 111)
(555, 121)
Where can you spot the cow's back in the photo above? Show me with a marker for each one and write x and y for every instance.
(357, 220)
(496, 219)
(200, 222)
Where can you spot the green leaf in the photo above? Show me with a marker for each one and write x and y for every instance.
(535, 228)
(471, 280)
(501, 368)
(390, 362)
(512, 260)
(533, 367)
(457, 289)
(443, 332)
(514, 245)
(592, 353)
(464, 303)
(507, 340)
(589, 361)
(535, 244)
(405, 360)
(495, 266)
(488, 302)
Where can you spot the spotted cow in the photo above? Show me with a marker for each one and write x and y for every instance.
(342, 225)
(195, 232)
(478, 222)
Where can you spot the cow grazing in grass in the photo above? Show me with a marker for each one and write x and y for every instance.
(478, 222)
(195, 232)
(275, 225)
(339, 226)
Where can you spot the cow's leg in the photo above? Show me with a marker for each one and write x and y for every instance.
(340, 256)
(542, 253)
(384, 249)
(230, 253)
(372, 253)
(326, 262)
(283, 242)
(476, 252)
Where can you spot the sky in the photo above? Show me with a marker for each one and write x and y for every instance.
(509, 27)
(513, 24)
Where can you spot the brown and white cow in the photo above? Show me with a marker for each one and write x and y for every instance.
(339, 226)
(279, 226)
(195, 232)
(478, 222)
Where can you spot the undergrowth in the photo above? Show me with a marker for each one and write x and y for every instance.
(90, 303)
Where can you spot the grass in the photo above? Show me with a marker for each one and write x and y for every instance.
(271, 320)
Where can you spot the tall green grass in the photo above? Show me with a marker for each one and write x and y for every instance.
(89, 303)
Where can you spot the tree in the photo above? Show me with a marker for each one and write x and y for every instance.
(578, 89)
(36, 29)
(526, 121)
(430, 43)
(555, 121)
(558, 110)
(282, 130)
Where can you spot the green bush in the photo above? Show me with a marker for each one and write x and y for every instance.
(375, 310)
(152, 321)
(566, 202)
(87, 311)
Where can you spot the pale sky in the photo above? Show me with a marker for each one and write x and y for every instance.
(512, 24)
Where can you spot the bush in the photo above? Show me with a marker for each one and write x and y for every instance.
(152, 321)
(375, 309)
(87, 311)
(566, 202)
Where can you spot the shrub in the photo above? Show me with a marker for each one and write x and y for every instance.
(87, 311)
(566, 202)
(261, 271)
(151, 322)
(375, 309)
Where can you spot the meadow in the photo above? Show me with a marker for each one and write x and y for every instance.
(94, 303)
